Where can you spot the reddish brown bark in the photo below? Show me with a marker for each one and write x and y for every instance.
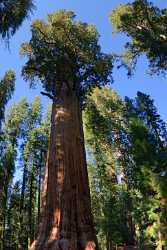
(66, 221)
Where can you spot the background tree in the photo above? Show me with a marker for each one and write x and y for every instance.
(106, 139)
(126, 144)
(11, 131)
(25, 136)
(65, 56)
(12, 14)
(145, 26)
(7, 85)
(33, 156)
(148, 147)
(12, 236)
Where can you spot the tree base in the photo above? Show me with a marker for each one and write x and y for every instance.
(63, 244)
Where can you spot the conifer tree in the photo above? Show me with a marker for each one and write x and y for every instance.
(106, 137)
(25, 136)
(148, 149)
(12, 234)
(65, 56)
(7, 85)
(11, 131)
(145, 25)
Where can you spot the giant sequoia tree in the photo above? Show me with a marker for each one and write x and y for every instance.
(65, 56)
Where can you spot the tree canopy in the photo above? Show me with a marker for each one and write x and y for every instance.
(64, 50)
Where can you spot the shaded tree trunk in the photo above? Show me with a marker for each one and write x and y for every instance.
(66, 221)
(23, 187)
(4, 211)
(22, 235)
(30, 207)
(131, 228)
(39, 184)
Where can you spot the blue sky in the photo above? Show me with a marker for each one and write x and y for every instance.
(95, 12)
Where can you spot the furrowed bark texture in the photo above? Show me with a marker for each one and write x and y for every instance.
(66, 221)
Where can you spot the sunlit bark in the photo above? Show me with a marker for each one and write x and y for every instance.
(66, 221)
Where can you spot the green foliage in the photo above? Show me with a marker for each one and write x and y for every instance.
(33, 154)
(64, 50)
(12, 239)
(145, 25)
(24, 142)
(106, 142)
(15, 120)
(148, 148)
(7, 85)
(11, 132)
(126, 145)
(12, 14)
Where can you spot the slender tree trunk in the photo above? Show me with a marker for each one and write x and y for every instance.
(66, 220)
(4, 212)
(131, 229)
(39, 184)
(23, 187)
(21, 233)
(30, 208)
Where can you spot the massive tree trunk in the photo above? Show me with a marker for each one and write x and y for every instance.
(66, 221)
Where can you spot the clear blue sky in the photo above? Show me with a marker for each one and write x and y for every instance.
(95, 12)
